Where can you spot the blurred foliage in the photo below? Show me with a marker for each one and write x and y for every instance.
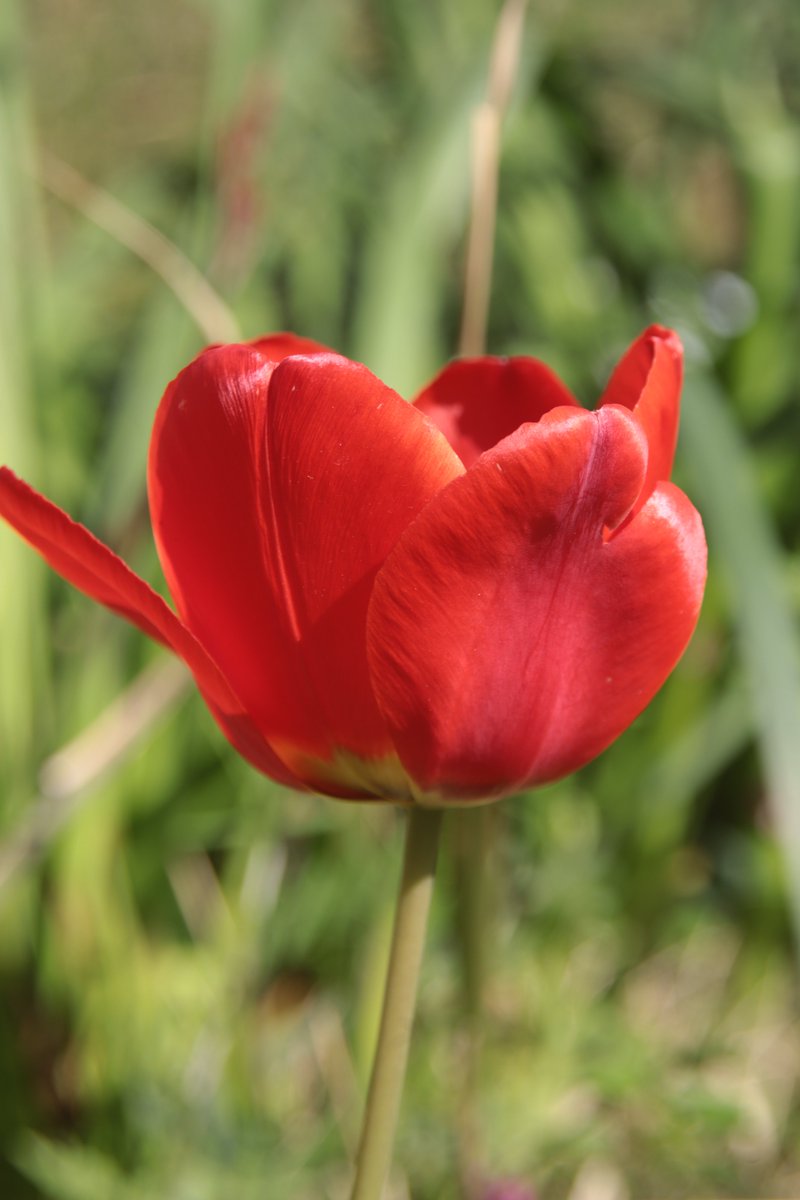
(191, 959)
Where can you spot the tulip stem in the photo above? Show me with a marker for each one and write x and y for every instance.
(405, 958)
(474, 834)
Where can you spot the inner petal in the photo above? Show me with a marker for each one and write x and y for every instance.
(476, 402)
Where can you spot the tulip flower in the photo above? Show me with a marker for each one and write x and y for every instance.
(438, 602)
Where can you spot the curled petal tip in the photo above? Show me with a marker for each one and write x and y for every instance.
(663, 333)
(647, 380)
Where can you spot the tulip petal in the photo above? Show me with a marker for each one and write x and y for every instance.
(205, 482)
(647, 381)
(349, 466)
(476, 402)
(89, 565)
(277, 346)
(276, 492)
(510, 637)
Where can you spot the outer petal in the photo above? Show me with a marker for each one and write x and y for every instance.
(275, 497)
(647, 380)
(77, 555)
(510, 639)
(478, 401)
(205, 485)
(349, 465)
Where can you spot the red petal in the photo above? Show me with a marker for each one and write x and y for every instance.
(350, 465)
(647, 380)
(277, 346)
(510, 641)
(83, 560)
(478, 401)
(270, 543)
(206, 487)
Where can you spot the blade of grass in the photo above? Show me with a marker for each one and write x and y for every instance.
(400, 298)
(487, 125)
(22, 691)
(744, 540)
(212, 316)
(767, 147)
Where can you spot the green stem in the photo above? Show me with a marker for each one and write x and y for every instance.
(473, 837)
(474, 834)
(391, 1053)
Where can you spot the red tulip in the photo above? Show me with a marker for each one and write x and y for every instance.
(439, 602)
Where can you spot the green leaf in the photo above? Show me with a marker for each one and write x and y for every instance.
(743, 540)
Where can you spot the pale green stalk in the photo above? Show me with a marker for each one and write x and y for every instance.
(391, 1054)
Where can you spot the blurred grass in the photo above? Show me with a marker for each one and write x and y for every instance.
(190, 968)
(23, 690)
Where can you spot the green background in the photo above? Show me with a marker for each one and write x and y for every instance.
(190, 958)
